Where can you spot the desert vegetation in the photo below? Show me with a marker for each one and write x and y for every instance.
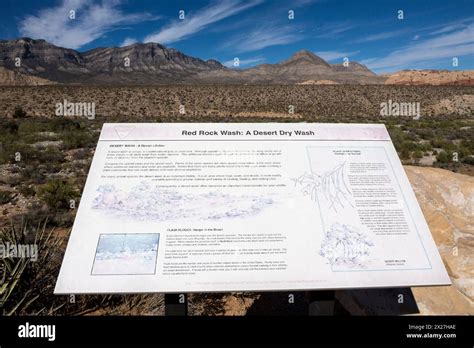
(225, 103)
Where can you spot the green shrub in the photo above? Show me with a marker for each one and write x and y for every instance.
(57, 194)
(78, 139)
(19, 112)
(468, 160)
(417, 154)
(405, 154)
(5, 197)
(442, 157)
(10, 127)
(27, 190)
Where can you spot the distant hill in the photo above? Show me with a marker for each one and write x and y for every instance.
(152, 63)
(149, 63)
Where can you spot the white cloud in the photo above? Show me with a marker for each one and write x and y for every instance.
(382, 36)
(452, 26)
(454, 44)
(193, 23)
(128, 41)
(333, 30)
(244, 62)
(91, 22)
(333, 55)
(301, 3)
(264, 36)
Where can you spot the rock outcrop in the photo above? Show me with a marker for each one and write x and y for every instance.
(447, 201)
(431, 77)
(14, 78)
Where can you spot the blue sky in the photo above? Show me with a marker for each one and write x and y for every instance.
(430, 35)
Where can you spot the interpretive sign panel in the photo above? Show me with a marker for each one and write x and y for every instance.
(190, 207)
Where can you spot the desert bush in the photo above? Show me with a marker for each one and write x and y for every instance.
(51, 155)
(5, 197)
(19, 112)
(78, 139)
(57, 194)
(10, 127)
(468, 160)
(27, 190)
(417, 154)
(405, 154)
(442, 157)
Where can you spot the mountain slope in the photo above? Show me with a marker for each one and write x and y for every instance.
(152, 63)
(15, 78)
(101, 65)
(300, 67)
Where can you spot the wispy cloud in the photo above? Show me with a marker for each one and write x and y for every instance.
(128, 41)
(92, 22)
(193, 23)
(301, 3)
(333, 30)
(264, 36)
(333, 55)
(452, 26)
(382, 36)
(244, 62)
(454, 44)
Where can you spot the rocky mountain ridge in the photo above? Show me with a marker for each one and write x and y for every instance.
(152, 63)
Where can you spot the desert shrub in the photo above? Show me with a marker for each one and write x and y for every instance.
(405, 154)
(62, 218)
(51, 155)
(468, 160)
(78, 139)
(10, 127)
(442, 157)
(417, 154)
(468, 144)
(31, 155)
(30, 173)
(32, 126)
(19, 112)
(26, 190)
(438, 142)
(57, 194)
(61, 124)
(28, 154)
(5, 197)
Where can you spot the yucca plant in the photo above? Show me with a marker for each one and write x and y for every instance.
(19, 275)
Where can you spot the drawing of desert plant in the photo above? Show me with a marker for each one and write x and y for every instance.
(344, 245)
(331, 184)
